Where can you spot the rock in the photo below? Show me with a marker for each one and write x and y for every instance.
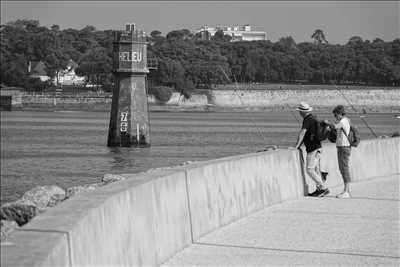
(110, 178)
(21, 213)
(6, 227)
(268, 148)
(43, 196)
(186, 163)
(82, 188)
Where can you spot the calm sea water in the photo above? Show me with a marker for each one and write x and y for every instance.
(69, 148)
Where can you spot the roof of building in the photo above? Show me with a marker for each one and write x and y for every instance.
(38, 68)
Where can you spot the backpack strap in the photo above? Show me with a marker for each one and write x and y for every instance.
(344, 132)
(347, 136)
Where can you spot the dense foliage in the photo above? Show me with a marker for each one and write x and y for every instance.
(185, 61)
(161, 93)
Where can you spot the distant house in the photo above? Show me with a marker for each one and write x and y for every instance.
(37, 69)
(68, 76)
(238, 33)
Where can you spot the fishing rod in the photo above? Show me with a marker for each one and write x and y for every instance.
(270, 147)
(351, 105)
(241, 101)
(287, 105)
(292, 113)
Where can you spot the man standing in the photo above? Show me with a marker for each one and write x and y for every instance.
(308, 135)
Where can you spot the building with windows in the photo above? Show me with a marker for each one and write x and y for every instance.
(238, 33)
(68, 76)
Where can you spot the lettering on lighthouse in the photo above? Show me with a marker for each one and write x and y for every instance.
(130, 56)
(124, 121)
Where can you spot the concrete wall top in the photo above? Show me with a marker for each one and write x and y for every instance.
(229, 189)
(146, 219)
(123, 223)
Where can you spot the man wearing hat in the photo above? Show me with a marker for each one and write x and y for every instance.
(308, 136)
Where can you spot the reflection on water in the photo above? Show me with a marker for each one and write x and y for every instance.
(119, 160)
(125, 158)
(69, 148)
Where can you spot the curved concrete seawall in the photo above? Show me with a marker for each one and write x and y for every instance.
(372, 99)
(146, 219)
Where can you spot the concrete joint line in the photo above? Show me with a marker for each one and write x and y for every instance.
(374, 178)
(189, 207)
(378, 199)
(296, 250)
(57, 232)
(351, 215)
(190, 219)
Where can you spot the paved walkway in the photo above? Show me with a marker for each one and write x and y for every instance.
(363, 230)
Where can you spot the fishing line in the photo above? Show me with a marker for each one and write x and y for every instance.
(348, 101)
(241, 101)
(292, 113)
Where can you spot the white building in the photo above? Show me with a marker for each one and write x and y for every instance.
(68, 75)
(238, 33)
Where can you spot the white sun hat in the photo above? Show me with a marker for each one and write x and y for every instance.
(303, 106)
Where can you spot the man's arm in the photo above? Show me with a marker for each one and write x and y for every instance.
(300, 138)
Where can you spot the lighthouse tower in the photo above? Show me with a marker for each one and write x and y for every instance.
(129, 120)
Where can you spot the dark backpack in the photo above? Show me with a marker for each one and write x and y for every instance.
(332, 136)
(322, 130)
(353, 137)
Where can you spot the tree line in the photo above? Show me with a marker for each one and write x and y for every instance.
(187, 61)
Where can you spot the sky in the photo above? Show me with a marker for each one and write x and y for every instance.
(339, 20)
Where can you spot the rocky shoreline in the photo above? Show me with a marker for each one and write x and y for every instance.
(14, 215)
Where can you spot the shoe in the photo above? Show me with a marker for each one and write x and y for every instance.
(319, 192)
(323, 192)
(314, 194)
(323, 176)
(344, 195)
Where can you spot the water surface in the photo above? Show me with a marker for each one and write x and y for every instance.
(69, 148)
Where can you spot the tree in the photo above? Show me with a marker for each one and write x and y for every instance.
(156, 37)
(161, 93)
(97, 66)
(88, 28)
(56, 62)
(319, 37)
(27, 24)
(155, 34)
(219, 36)
(285, 44)
(55, 28)
(180, 34)
(187, 61)
(355, 40)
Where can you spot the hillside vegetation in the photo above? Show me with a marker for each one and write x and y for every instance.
(186, 62)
